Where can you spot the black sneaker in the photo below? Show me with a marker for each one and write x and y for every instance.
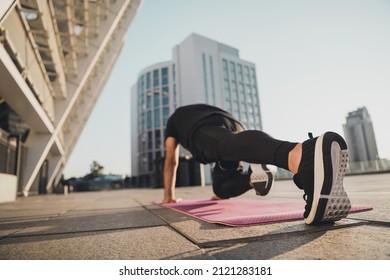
(261, 178)
(229, 183)
(320, 175)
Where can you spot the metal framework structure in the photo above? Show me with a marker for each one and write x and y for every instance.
(55, 57)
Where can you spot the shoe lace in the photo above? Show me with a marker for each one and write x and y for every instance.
(308, 204)
(308, 191)
(309, 200)
(307, 196)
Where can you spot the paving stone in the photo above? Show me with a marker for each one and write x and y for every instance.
(352, 243)
(88, 221)
(139, 243)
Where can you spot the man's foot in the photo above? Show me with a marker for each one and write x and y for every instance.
(320, 175)
(229, 183)
(261, 178)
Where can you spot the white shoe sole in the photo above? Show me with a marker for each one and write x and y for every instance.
(261, 178)
(330, 201)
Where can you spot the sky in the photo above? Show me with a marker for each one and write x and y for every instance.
(316, 60)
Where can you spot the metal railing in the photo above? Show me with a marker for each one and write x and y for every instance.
(353, 168)
(12, 156)
(7, 155)
(363, 167)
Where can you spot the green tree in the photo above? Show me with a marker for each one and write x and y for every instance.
(96, 170)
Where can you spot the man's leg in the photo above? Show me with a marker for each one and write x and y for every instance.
(228, 143)
(255, 146)
(219, 143)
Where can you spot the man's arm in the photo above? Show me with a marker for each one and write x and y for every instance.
(170, 168)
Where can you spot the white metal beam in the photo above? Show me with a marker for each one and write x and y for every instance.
(5, 6)
(18, 95)
(91, 63)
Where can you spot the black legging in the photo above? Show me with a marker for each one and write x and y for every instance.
(219, 139)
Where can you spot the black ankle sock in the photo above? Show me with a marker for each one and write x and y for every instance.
(281, 154)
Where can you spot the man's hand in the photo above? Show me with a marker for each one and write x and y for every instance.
(171, 200)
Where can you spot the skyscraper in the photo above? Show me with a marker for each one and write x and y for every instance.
(201, 71)
(360, 136)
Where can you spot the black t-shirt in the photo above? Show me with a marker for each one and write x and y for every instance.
(185, 121)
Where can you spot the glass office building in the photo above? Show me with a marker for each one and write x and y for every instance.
(360, 136)
(201, 71)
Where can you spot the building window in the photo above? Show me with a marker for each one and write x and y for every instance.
(254, 90)
(232, 71)
(234, 91)
(255, 96)
(157, 117)
(140, 143)
(156, 78)
(148, 80)
(148, 99)
(227, 89)
(150, 161)
(158, 155)
(249, 99)
(250, 109)
(141, 121)
(251, 119)
(139, 127)
(143, 161)
(241, 92)
(174, 97)
(165, 96)
(174, 73)
(246, 74)
(164, 76)
(257, 121)
(150, 140)
(149, 120)
(156, 97)
(165, 116)
(157, 139)
(244, 119)
(140, 85)
(228, 105)
(248, 90)
(212, 78)
(236, 112)
(206, 94)
(142, 103)
(239, 70)
(253, 76)
(225, 69)
(243, 110)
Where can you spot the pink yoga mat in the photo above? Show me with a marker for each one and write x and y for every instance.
(245, 212)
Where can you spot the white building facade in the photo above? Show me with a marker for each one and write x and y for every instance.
(55, 57)
(201, 71)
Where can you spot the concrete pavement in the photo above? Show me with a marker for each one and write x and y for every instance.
(125, 224)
